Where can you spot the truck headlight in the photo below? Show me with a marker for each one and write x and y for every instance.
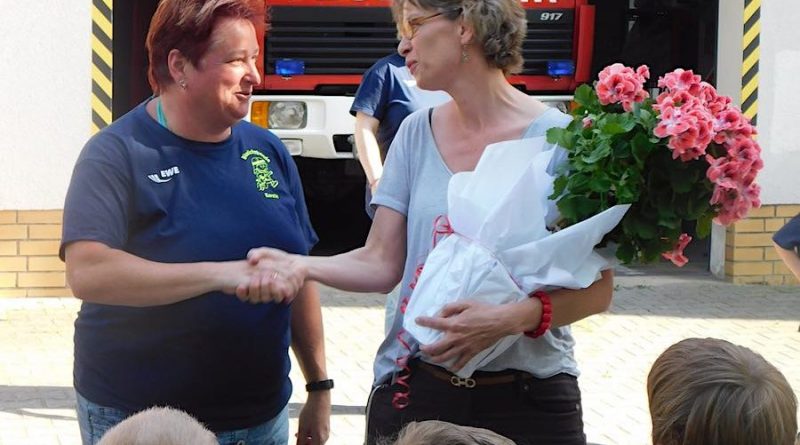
(287, 115)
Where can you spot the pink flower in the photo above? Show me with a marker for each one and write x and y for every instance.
(676, 254)
(643, 72)
(638, 97)
(729, 119)
(707, 93)
(718, 105)
(691, 120)
(612, 69)
(671, 123)
(735, 202)
(678, 99)
(689, 128)
(747, 152)
(730, 124)
(680, 80)
(686, 146)
(621, 84)
(735, 191)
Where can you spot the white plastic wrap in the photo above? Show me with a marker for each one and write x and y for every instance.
(501, 250)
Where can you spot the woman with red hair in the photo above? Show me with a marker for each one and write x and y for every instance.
(163, 206)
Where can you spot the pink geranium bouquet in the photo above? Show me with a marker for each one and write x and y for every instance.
(687, 155)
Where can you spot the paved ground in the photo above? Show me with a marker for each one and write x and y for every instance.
(651, 311)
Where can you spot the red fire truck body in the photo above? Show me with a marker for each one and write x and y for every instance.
(335, 41)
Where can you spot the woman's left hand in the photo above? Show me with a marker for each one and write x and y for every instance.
(314, 422)
(469, 327)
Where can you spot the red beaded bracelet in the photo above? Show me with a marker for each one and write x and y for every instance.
(547, 315)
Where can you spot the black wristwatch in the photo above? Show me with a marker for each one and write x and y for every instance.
(322, 385)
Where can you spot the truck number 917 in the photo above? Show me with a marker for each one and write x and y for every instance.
(551, 16)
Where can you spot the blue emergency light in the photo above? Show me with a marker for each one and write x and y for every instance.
(289, 67)
(558, 68)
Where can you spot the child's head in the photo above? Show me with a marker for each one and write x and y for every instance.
(712, 392)
(159, 426)
(436, 432)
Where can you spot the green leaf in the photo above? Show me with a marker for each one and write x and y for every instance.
(669, 221)
(641, 148)
(626, 194)
(601, 151)
(621, 149)
(626, 252)
(703, 228)
(600, 184)
(559, 185)
(578, 183)
(698, 206)
(576, 208)
(682, 181)
(616, 123)
(562, 137)
(586, 97)
(646, 229)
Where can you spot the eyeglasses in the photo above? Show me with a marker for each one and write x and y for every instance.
(409, 28)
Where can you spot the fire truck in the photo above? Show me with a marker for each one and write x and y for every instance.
(315, 52)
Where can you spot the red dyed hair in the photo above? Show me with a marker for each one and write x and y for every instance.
(186, 25)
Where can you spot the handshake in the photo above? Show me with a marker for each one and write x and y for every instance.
(267, 275)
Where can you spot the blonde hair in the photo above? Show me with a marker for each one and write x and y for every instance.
(159, 426)
(712, 392)
(500, 27)
(437, 432)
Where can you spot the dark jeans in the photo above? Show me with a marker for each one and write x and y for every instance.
(527, 410)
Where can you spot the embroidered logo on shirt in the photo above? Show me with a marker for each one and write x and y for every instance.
(264, 181)
(164, 175)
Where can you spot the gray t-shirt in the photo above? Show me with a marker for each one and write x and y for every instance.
(414, 183)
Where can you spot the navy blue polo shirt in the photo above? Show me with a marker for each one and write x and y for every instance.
(140, 188)
(389, 93)
(788, 236)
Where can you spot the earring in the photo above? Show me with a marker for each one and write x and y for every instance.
(182, 83)
(464, 55)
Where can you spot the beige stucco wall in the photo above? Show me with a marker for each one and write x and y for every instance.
(45, 82)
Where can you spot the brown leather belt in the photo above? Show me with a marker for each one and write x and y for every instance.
(479, 378)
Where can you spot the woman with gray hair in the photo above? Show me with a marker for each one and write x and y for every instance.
(530, 392)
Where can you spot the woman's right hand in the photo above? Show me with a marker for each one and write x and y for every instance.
(271, 275)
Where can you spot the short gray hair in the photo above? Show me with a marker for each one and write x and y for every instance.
(500, 27)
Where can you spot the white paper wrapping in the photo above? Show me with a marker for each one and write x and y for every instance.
(501, 250)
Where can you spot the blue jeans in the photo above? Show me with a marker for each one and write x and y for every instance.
(94, 420)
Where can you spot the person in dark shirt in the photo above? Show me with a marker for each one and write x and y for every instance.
(787, 244)
(387, 94)
(162, 208)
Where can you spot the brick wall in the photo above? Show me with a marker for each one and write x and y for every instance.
(749, 255)
(30, 267)
(29, 263)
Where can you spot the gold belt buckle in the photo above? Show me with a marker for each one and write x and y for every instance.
(465, 382)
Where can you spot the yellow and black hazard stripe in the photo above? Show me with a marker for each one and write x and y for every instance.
(102, 63)
(750, 55)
